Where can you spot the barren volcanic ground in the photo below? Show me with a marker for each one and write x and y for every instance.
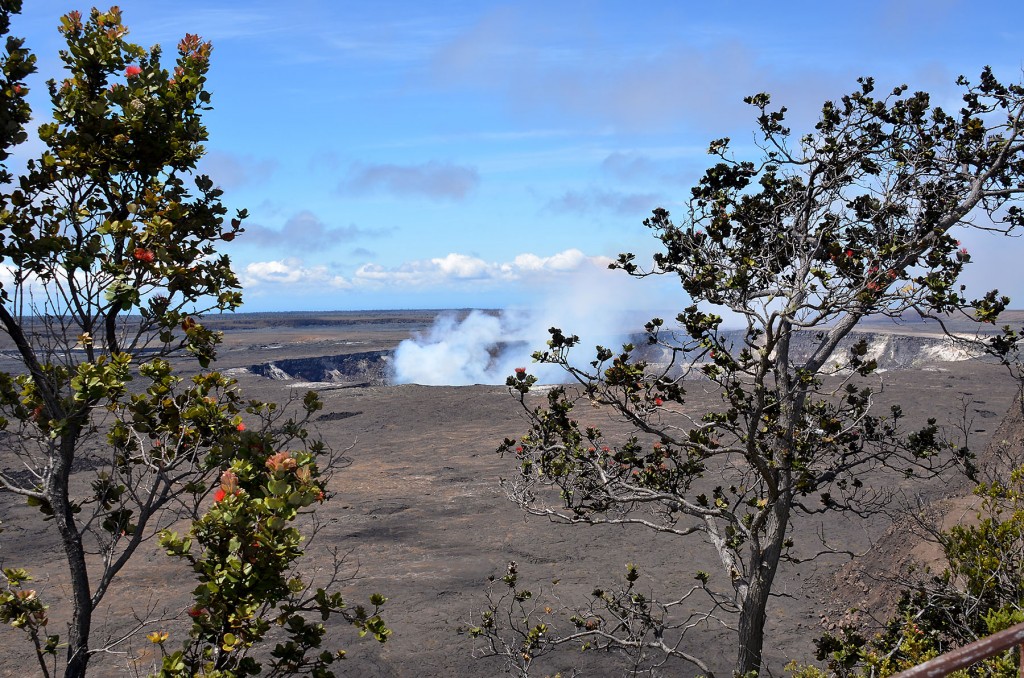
(419, 511)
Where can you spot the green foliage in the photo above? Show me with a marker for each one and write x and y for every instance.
(113, 240)
(249, 543)
(980, 592)
(22, 609)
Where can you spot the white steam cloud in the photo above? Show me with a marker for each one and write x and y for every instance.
(481, 348)
(601, 307)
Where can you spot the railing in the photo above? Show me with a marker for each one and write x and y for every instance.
(969, 654)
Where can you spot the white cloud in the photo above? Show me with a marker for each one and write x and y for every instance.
(462, 268)
(290, 272)
(563, 261)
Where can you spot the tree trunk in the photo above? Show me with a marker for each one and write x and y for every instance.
(751, 628)
(71, 541)
(762, 565)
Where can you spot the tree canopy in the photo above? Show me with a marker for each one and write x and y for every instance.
(110, 253)
(858, 217)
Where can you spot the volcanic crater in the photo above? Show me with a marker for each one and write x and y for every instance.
(418, 512)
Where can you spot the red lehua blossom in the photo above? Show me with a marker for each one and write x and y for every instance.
(144, 255)
(196, 612)
(241, 426)
(658, 402)
(219, 494)
(520, 371)
(132, 71)
(849, 253)
(963, 250)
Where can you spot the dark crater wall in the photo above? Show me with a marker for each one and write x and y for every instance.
(369, 368)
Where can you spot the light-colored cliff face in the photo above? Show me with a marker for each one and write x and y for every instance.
(891, 351)
(903, 351)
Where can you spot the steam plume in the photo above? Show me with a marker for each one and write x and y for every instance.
(486, 347)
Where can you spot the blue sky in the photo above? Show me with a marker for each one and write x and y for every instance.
(475, 154)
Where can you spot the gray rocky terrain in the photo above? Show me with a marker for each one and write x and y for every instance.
(420, 517)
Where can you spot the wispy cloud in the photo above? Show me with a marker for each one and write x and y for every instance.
(603, 200)
(231, 170)
(629, 166)
(434, 180)
(305, 231)
(593, 80)
(213, 23)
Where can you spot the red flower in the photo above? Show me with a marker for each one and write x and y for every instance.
(241, 426)
(849, 253)
(132, 71)
(144, 255)
(219, 494)
(658, 402)
(196, 612)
